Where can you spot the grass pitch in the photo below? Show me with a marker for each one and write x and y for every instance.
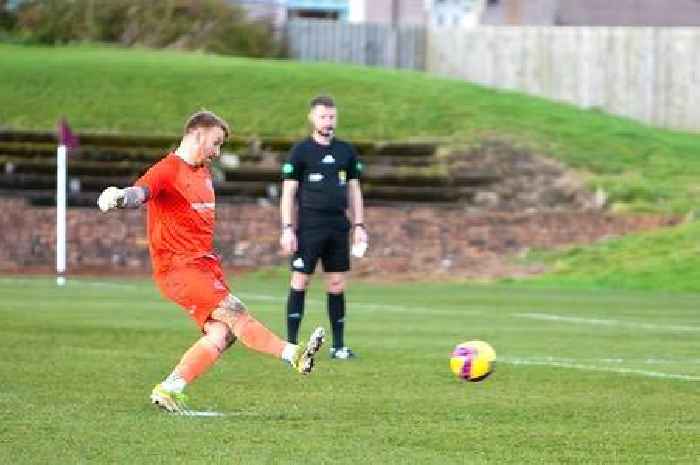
(602, 377)
(665, 259)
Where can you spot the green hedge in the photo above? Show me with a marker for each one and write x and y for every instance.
(208, 25)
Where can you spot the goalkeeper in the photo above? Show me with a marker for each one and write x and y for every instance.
(180, 197)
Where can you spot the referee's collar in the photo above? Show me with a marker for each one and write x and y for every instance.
(330, 142)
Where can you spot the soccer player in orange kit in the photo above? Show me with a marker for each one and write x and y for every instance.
(180, 197)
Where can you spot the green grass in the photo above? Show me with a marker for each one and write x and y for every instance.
(142, 91)
(582, 378)
(667, 259)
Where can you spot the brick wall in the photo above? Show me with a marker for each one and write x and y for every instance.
(403, 239)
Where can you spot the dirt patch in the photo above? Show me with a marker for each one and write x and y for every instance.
(523, 181)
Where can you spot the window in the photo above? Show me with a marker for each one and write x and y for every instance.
(314, 14)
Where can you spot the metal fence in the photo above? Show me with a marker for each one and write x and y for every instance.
(361, 44)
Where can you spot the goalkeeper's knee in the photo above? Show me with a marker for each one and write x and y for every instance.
(219, 335)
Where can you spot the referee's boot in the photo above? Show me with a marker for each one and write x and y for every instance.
(342, 353)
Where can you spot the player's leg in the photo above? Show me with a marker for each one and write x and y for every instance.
(303, 263)
(195, 362)
(336, 263)
(202, 355)
(247, 329)
(256, 336)
(198, 288)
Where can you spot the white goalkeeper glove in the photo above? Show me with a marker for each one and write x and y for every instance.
(109, 198)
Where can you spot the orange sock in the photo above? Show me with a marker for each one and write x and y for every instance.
(198, 359)
(254, 335)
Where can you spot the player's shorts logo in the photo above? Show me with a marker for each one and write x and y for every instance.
(298, 263)
(315, 177)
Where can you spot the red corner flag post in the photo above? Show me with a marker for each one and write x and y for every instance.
(66, 141)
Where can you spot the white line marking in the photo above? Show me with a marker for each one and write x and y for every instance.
(624, 371)
(603, 322)
(195, 413)
(263, 297)
(365, 306)
(106, 284)
(281, 300)
(615, 360)
(71, 281)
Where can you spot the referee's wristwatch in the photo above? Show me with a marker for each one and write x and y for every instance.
(359, 225)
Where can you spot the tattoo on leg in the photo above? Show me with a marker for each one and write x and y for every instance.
(218, 334)
(230, 340)
(230, 310)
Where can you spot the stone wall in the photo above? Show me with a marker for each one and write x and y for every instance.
(403, 239)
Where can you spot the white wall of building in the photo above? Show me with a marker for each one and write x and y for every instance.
(401, 12)
(455, 13)
(358, 11)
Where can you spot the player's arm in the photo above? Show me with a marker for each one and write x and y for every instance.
(147, 187)
(288, 239)
(130, 197)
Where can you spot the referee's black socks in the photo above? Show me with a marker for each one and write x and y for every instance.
(295, 313)
(336, 315)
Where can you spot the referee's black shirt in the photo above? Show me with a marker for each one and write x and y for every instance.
(323, 172)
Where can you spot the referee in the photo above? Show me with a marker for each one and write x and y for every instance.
(321, 182)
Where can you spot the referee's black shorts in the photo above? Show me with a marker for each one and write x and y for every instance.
(330, 244)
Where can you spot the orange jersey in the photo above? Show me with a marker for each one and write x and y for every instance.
(181, 206)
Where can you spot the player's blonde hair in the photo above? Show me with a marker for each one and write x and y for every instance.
(207, 119)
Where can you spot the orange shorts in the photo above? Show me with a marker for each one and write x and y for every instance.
(198, 286)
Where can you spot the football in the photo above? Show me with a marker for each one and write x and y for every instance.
(473, 360)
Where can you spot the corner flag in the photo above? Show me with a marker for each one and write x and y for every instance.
(66, 136)
(66, 141)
